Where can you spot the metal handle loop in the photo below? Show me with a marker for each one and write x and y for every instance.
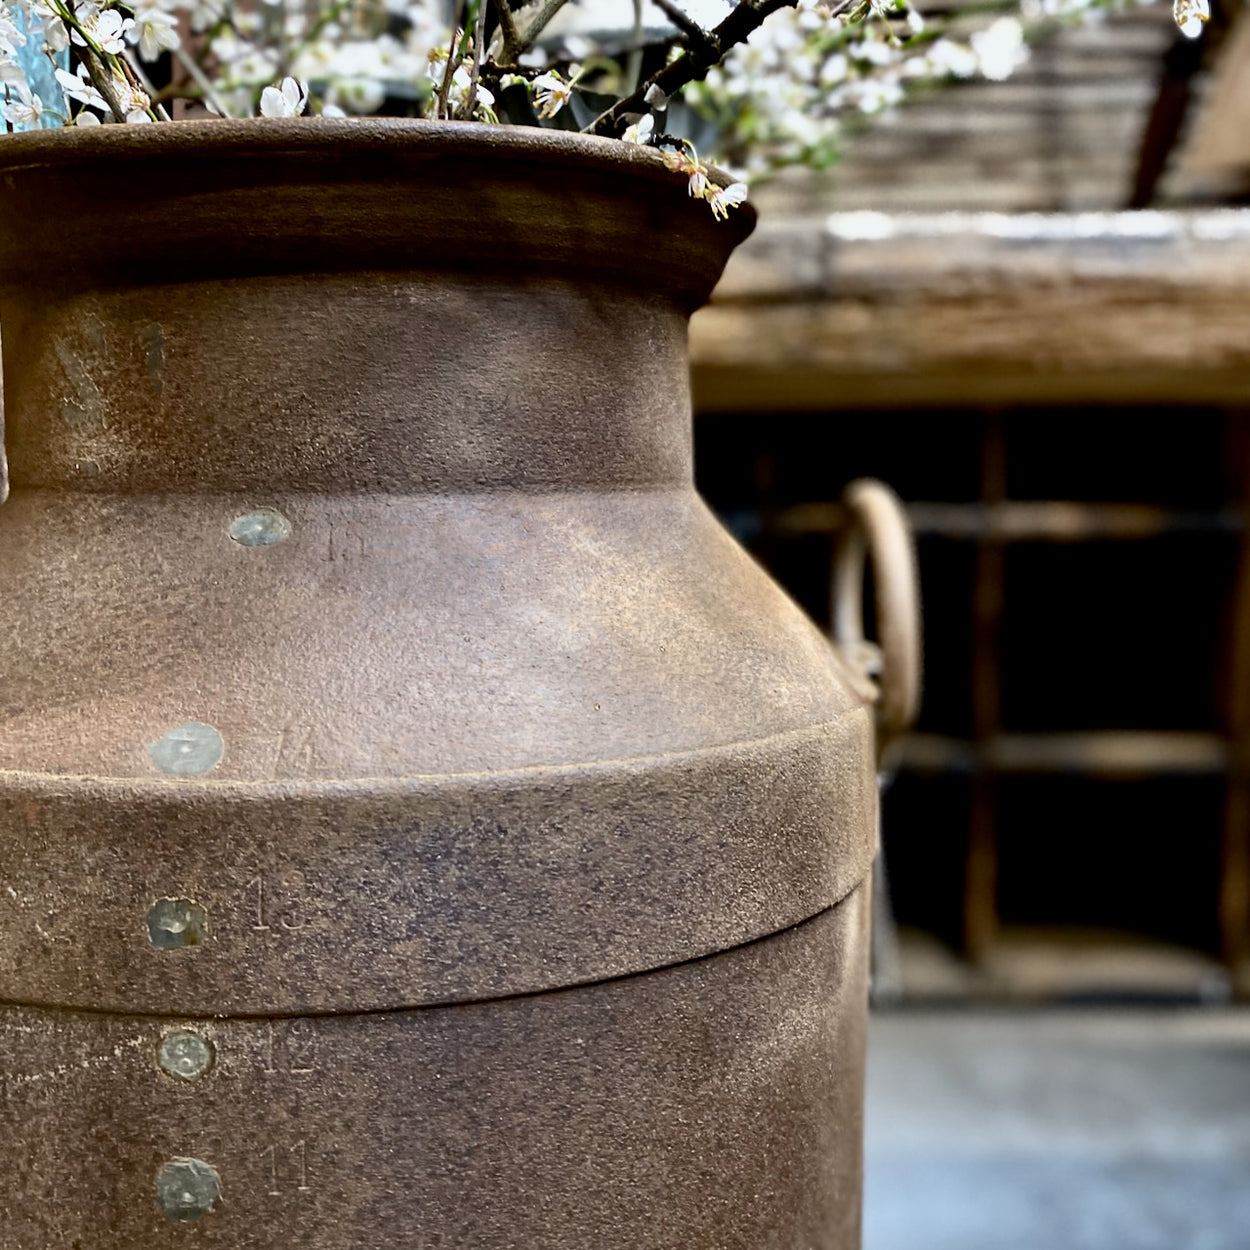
(877, 528)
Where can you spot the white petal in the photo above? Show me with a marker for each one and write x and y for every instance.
(294, 95)
(272, 104)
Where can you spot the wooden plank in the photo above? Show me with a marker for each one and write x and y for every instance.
(958, 125)
(1114, 755)
(1234, 887)
(1014, 521)
(1004, 195)
(1220, 140)
(989, 584)
(975, 308)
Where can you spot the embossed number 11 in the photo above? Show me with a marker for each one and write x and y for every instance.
(280, 1178)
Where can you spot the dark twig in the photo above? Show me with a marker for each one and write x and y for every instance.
(201, 81)
(444, 90)
(453, 50)
(695, 34)
(479, 50)
(633, 62)
(138, 79)
(102, 80)
(539, 24)
(511, 40)
(741, 23)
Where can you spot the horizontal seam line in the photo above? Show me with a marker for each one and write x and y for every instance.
(415, 1007)
(176, 784)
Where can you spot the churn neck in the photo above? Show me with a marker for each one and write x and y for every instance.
(321, 304)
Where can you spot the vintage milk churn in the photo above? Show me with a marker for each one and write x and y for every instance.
(420, 824)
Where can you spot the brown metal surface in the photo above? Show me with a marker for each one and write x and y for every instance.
(364, 647)
(714, 1106)
(337, 896)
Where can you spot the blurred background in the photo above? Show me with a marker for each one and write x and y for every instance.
(1026, 306)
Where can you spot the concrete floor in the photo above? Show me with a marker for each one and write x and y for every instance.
(1082, 1129)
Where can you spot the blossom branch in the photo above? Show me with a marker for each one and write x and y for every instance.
(696, 36)
(102, 81)
(201, 81)
(741, 23)
(539, 24)
(453, 48)
(511, 40)
(93, 57)
(633, 64)
(133, 71)
(479, 42)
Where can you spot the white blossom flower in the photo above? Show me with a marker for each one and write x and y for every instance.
(359, 95)
(25, 110)
(55, 36)
(873, 51)
(485, 104)
(10, 37)
(551, 93)
(875, 94)
(134, 102)
(950, 59)
(458, 96)
(228, 47)
(1000, 48)
(1191, 16)
(834, 70)
(79, 87)
(286, 100)
(257, 65)
(722, 199)
(640, 131)
(204, 13)
(154, 31)
(689, 165)
(108, 29)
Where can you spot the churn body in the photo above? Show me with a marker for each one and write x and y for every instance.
(420, 824)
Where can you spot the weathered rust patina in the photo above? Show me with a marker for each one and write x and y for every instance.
(420, 824)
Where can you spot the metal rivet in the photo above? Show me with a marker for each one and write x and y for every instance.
(187, 1188)
(190, 750)
(185, 1054)
(262, 528)
(175, 922)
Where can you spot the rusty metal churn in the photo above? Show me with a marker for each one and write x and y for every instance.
(420, 824)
